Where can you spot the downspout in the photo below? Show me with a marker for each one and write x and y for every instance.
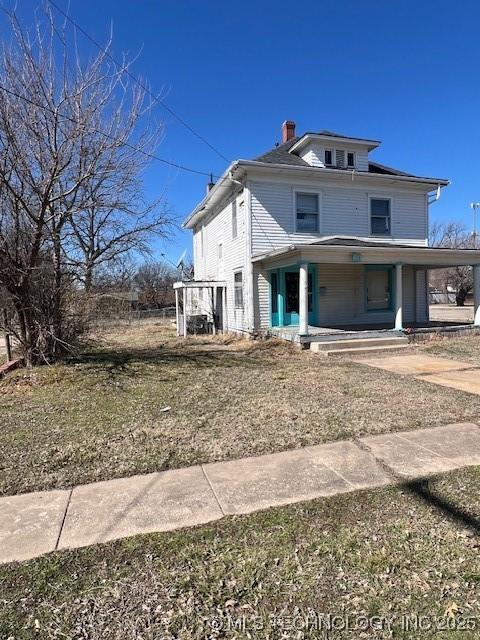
(431, 200)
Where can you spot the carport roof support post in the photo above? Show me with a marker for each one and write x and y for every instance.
(398, 297)
(476, 294)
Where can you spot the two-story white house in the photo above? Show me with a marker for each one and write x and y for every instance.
(314, 233)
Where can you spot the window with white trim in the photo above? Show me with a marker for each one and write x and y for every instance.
(380, 216)
(328, 157)
(220, 251)
(307, 212)
(234, 220)
(238, 289)
(200, 242)
(350, 159)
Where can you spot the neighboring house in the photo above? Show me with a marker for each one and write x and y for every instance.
(314, 233)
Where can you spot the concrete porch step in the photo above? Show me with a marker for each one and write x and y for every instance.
(358, 343)
(364, 351)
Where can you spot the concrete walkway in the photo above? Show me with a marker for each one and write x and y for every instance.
(456, 374)
(37, 523)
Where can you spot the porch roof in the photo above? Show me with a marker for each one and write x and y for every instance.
(198, 284)
(344, 250)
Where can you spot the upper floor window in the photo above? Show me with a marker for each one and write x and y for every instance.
(238, 289)
(234, 220)
(220, 251)
(380, 216)
(200, 237)
(307, 212)
(328, 157)
(350, 159)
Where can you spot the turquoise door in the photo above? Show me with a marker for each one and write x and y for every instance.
(284, 296)
(274, 298)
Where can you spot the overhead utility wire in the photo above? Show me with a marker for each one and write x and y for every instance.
(109, 136)
(140, 84)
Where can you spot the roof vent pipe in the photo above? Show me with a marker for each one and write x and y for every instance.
(210, 184)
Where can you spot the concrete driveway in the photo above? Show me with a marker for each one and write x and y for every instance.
(448, 373)
(451, 313)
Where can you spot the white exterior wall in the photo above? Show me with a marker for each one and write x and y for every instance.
(218, 229)
(314, 154)
(344, 210)
(343, 302)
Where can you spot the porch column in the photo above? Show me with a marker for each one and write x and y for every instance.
(224, 310)
(476, 294)
(177, 312)
(303, 299)
(398, 297)
(184, 312)
(214, 305)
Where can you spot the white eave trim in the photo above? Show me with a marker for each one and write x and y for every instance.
(428, 255)
(225, 182)
(215, 195)
(346, 173)
(332, 140)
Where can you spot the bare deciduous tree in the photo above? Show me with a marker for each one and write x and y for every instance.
(72, 152)
(154, 282)
(453, 235)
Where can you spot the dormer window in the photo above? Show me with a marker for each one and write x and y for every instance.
(328, 157)
(350, 159)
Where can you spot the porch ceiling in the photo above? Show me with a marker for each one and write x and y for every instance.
(427, 257)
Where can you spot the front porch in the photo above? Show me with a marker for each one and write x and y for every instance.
(337, 289)
(415, 332)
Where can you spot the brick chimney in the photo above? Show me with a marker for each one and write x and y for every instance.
(288, 130)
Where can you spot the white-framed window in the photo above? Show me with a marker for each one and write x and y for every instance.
(307, 212)
(350, 159)
(234, 220)
(380, 216)
(220, 251)
(328, 157)
(238, 289)
(200, 242)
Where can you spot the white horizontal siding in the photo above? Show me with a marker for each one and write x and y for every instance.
(422, 311)
(314, 154)
(343, 299)
(218, 229)
(344, 211)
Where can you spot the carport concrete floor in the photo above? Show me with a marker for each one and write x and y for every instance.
(443, 371)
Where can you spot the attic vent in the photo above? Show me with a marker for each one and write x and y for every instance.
(340, 158)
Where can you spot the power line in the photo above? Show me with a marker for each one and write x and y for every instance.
(140, 84)
(152, 156)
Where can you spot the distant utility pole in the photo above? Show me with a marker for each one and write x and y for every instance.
(474, 206)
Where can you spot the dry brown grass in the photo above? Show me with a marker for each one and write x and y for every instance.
(402, 551)
(102, 415)
(466, 348)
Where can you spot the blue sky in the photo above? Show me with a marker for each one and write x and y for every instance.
(403, 72)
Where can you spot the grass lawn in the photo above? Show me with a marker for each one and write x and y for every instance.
(402, 551)
(102, 415)
(466, 348)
